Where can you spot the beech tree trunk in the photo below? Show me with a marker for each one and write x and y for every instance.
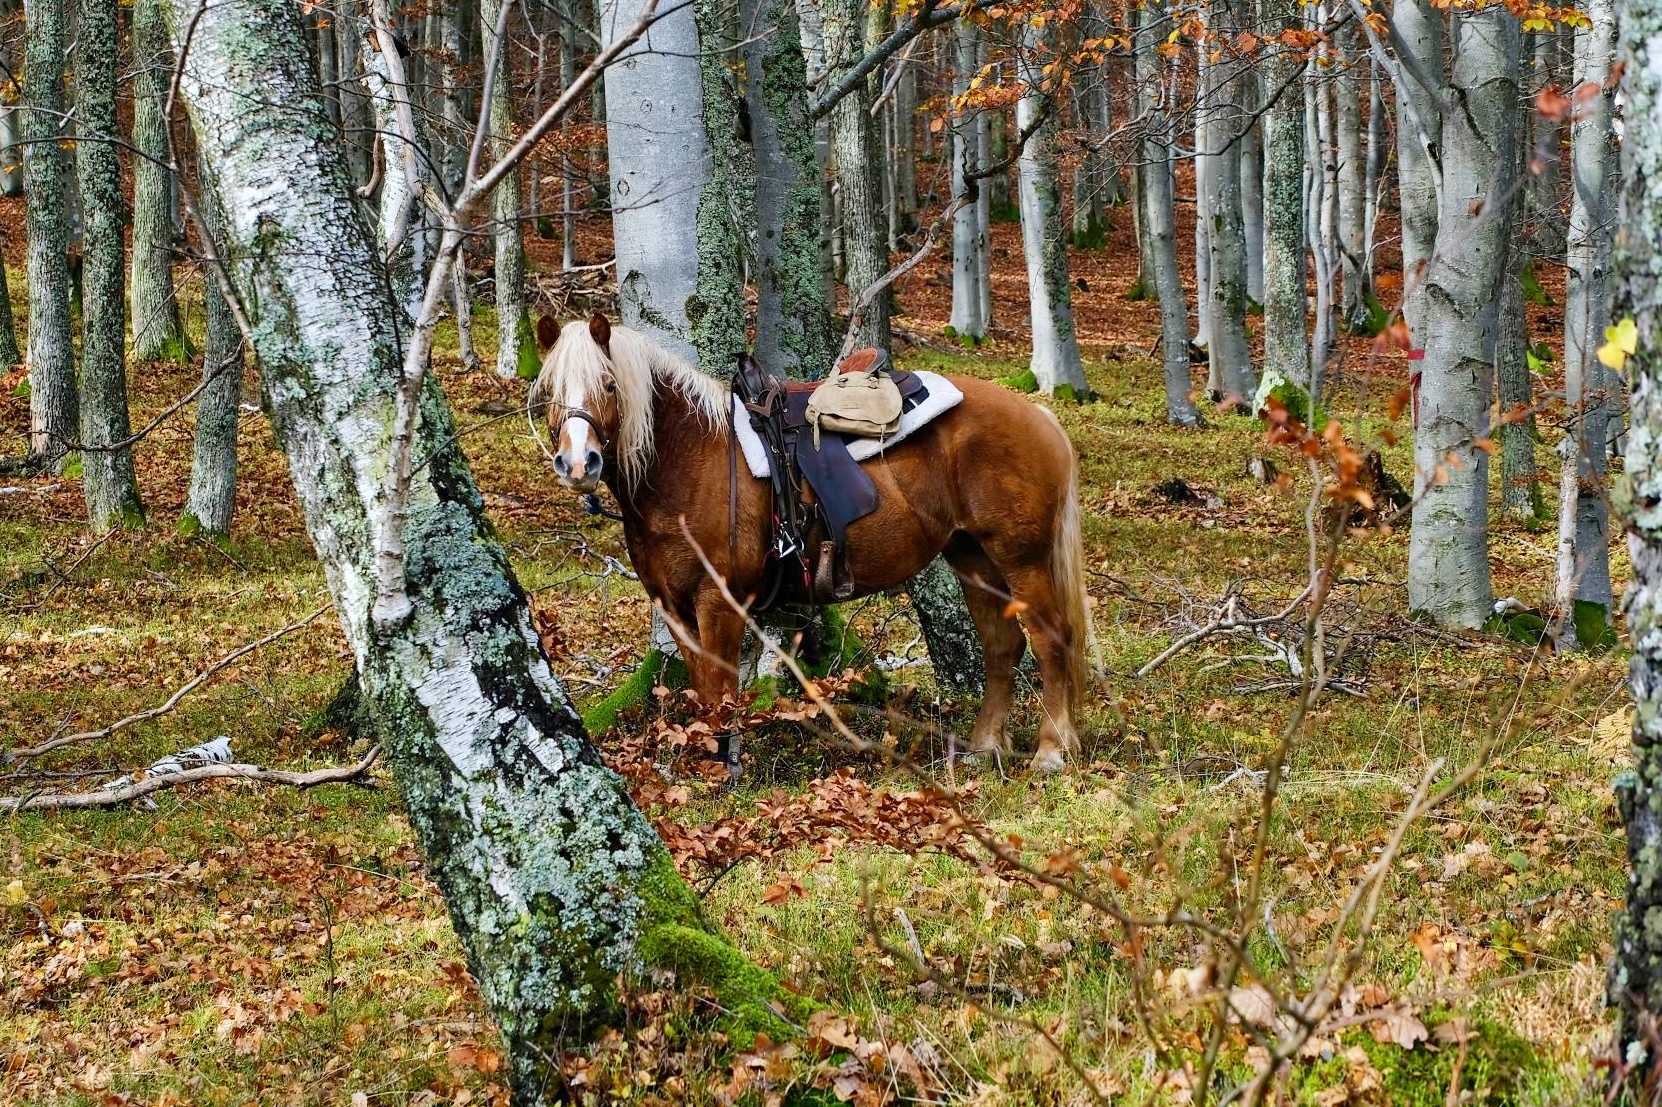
(1546, 135)
(54, 414)
(1228, 353)
(10, 354)
(556, 884)
(1286, 338)
(1583, 592)
(1635, 985)
(107, 468)
(1520, 491)
(1352, 177)
(1448, 553)
(1056, 363)
(516, 340)
(1154, 196)
(660, 161)
(212, 499)
(1252, 188)
(1418, 29)
(969, 246)
(157, 330)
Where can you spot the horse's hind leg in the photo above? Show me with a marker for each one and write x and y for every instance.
(1002, 643)
(1052, 639)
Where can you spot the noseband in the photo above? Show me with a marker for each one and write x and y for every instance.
(570, 413)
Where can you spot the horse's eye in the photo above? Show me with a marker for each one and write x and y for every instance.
(611, 386)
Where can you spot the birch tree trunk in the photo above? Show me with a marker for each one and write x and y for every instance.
(404, 170)
(857, 164)
(1056, 364)
(516, 341)
(107, 469)
(556, 884)
(1286, 348)
(660, 162)
(1154, 195)
(1635, 985)
(1583, 591)
(1448, 553)
(969, 248)
(212, 499)
(1229, 355)
(54, 415)
(356, 123)
(794, 331)
(157, 330)
(1418, 29)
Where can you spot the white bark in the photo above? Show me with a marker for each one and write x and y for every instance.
(1056, 361)
(1286, 350)
(1448, 555)
(1351, 196)
(556, 883)
(1419, 28)
(969, 247)
(660, 161)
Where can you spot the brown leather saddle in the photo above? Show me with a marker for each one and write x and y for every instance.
(817, 493)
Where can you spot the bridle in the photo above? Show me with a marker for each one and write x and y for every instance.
(567, 414)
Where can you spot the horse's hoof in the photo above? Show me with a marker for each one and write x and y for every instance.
(1048, 761)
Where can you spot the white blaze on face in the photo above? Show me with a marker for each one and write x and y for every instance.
(574, 439)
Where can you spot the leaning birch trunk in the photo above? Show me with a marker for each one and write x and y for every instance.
(968, 255)
(1056, 363)
(1418, 28)
(106, 458)
(1448, 552)
(856, 163)
(1635, 985)
(794, 330)
(516, 341)
(1154, 195)
(212, 498)
(1286, 339)
(53, 411)
(404, 172)
(157, 331)
(659, 161)
(556, 884)
(1352, 178)
(1583, 586)
(1228, 353)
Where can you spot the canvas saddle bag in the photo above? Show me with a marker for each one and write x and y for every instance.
(859, 400)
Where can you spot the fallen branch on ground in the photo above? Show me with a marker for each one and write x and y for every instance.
(14, 756)
(112, 797)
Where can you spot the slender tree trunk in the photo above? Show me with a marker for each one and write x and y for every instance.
(1583, 586)
(568, 166)
(1546, 140)
(905, 144)
(984, 128)
(969, 253)
(1520, 492)
(1418, 27)
(1089, 226)
(516, 341)
(1321, 212)
(1352, 177)
(1635, 985)
(1056, 363)
(1448, 554)
(855, 159)
(1376, 164)
(1252, 187)
(10, 354)
(1229, 354)
(1203, 159)
(157, 330)
(404, 170)
(794, 331)
(1154, 195)
(556, 884)
(110, 489)
(1286, 343)
(54, 415)
(212, 499)
(356, 125)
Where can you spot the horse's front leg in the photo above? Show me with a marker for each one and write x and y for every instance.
(721, 637)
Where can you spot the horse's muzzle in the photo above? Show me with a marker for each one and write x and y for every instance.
(586, 481)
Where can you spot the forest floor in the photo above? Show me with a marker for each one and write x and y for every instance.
(237, 944)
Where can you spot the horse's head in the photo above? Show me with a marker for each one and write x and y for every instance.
(580, 388)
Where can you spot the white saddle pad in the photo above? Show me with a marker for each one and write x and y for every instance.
(943, 396)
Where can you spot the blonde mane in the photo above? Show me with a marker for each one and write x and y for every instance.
(573, 371)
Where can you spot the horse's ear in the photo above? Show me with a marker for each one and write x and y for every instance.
(548, 333)
(601, 331)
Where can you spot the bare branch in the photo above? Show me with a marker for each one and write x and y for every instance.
(111, 797)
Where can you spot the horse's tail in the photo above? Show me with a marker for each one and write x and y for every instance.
(1067, 568)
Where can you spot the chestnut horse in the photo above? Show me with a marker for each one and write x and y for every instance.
(991, 483)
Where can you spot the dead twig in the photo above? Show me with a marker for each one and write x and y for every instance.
(112, 797)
